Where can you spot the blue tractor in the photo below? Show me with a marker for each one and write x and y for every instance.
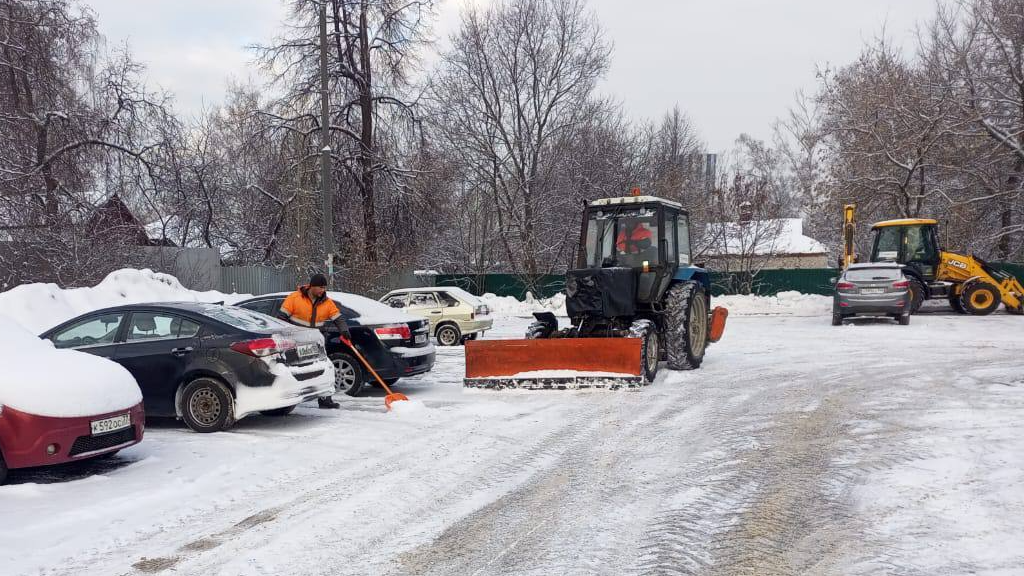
(635, 299)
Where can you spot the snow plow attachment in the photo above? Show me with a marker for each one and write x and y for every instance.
(554, 364)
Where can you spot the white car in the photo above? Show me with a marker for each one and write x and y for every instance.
(455, 315)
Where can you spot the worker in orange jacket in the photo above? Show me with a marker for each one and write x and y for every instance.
(309, 306)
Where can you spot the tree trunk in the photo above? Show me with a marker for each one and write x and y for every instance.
(366, 155)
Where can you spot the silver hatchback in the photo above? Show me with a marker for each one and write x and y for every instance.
(876, 289)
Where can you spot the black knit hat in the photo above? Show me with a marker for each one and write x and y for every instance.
(318, 280)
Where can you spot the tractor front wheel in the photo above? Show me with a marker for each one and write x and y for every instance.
(686, 325)
(980, 298)
(650, 349)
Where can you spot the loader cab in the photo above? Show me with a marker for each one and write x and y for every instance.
(912, 242)
(645, 233)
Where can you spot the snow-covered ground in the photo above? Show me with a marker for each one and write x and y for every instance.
(797, 448)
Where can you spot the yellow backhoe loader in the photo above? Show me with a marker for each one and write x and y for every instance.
(970, 284)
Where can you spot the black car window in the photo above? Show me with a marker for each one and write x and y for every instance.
(869, 274)
(89, 332)
(241, 318)
(151, 325)
(268, 307)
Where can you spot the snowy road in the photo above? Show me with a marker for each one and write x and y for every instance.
(799, 448)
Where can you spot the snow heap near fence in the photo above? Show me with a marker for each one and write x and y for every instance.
(790, 303)
(39, 379)
(38, 307)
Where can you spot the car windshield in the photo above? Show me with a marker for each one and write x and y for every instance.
(243, 319)
(869, 274)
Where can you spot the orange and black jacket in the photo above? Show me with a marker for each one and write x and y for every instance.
(300, 308)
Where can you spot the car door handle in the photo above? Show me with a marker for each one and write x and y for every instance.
(181, 351)
(435, 311)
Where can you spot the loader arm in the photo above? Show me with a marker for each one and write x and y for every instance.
(964, 269)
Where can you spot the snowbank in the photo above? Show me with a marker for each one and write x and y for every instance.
(791, 303)
(38, 307)
(784, 304)
(39, 379)
(509, 307)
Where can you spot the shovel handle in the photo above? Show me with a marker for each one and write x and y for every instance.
(366, 364)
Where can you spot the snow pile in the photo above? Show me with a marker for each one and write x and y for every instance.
(509, 307)
(39, 379)
(370, 311)
(38, 307)
(404, 408)
(790, 303)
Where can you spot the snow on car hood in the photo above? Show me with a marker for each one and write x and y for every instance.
(39, 379)
(370, 311)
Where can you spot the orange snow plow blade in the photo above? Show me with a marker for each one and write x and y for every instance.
(557, 363)
(718, 317)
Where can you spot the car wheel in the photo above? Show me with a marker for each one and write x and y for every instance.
(278, 411)
(3, 470)
(904, 320)
(449, 335)
(837, 319)
(207, 406)
(348, 375)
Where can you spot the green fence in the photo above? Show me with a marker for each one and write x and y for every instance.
(765, 283)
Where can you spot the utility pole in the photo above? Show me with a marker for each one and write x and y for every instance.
(326, 188)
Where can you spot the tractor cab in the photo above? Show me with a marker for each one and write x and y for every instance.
(647, 235)
(911, 242)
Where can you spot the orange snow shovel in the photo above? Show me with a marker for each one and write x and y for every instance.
(392, 396)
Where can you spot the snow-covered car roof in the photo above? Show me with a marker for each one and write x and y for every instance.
(453, 290)
(860, 265)
(368, 311)
(42, 380)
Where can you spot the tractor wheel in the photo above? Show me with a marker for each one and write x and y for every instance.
(686, 325)
(3, 470)
(650, 349)
(917, 292)
(980, 298)
(956, 305)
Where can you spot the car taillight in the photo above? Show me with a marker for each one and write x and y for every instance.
(394, 332)
(901, 284)
(262, 347)
(845, 286)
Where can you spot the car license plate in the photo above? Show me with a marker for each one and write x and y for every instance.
(421, 338)
(111, 424)
(872, 290)
(307, 350)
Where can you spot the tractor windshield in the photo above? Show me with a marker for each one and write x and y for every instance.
(622, 238)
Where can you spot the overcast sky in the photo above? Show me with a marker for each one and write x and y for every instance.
(732, 65)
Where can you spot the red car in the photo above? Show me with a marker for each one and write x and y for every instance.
(59, 406)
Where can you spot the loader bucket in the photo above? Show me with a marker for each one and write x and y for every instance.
(557, 363)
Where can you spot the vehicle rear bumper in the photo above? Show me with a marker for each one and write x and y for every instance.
(883, 304)
(292, 385)
(408, 362)
(24, 438)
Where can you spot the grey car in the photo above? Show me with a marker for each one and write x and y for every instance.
(875, 289)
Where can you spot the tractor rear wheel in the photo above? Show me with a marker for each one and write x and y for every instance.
(686, 325)
(650, 349)
(917, 292)
(980, 298)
